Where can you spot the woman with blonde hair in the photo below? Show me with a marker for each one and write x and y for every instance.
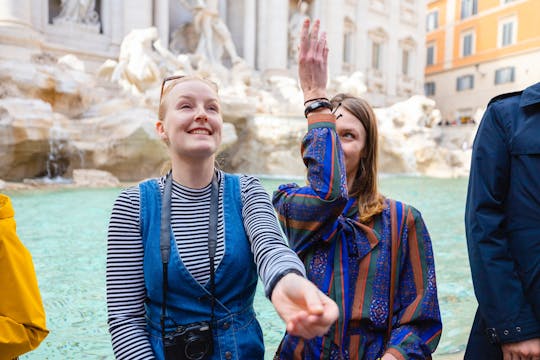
(184, 250)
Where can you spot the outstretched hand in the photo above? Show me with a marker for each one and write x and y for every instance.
(312, 61)
(307, 312)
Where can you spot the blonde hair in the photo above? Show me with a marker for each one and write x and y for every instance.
(364, 187)
(162, 110)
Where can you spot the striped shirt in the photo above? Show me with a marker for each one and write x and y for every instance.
(351, 262)
(190, 210)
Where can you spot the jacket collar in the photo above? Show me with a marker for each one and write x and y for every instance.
(530, 95)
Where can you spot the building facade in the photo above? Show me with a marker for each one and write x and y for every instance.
(477, 49)
(382, 39)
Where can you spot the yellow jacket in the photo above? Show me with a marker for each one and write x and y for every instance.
(22, 317)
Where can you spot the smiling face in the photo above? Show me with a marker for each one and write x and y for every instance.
(352, 136)
(191, 120)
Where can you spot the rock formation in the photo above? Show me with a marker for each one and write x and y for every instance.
(56, 118)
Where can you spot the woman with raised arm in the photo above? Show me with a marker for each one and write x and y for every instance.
(184, 250)
(372, 255)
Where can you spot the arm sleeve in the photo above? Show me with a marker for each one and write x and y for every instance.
(417, 324)
(308, 214)
(125, 280)
(22, 316)
(270, 251)
(492, 267)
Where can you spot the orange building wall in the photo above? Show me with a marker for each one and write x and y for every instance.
(484, 5)
(437, 36)
(486, 27)
(440, 5)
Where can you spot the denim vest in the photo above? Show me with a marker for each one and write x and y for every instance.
(237, 334)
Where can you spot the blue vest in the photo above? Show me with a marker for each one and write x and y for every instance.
(237, 333)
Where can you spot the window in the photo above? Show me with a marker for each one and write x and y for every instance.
(429, 88)
(432, 20)
(507, 32)
(378, 38)
(465, 82)
(405, 60)
(348, 43)
(376, 53)
(504, 75)
(467, 44)
(430, 55)
(468, 8)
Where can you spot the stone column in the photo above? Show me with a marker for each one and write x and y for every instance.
(17, 34)
(16, 13)
(332, 20)
(362, 40)
(419, 64)
(39, 18)
(273, 18)
(393, 52)
(250, 31)
(116, 23)
(161, 20)
(137, 15)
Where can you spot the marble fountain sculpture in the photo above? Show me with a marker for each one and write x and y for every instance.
(56, 118)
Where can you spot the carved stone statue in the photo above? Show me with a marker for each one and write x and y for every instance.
(143, 62)
(78, 11)
(137, 67)
(214, 36)
(295, 25)
(171, 62)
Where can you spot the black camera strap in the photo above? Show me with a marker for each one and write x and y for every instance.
(165, 244)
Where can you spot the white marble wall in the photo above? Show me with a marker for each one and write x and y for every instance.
(272, 34)
(259, 29)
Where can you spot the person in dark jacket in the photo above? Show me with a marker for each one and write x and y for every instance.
(502, 220)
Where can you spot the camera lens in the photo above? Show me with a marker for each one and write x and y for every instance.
(196, 348)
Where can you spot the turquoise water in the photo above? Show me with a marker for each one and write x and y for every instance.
(66, 232)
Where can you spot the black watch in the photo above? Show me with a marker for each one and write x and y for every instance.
(317, 105)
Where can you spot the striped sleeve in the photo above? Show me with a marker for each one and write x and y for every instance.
(418, 327)
(308, 213)
(270, 252)
(125, 280)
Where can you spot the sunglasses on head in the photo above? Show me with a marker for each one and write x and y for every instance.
(168, 78)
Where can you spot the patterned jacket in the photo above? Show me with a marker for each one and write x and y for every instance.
(351, 262)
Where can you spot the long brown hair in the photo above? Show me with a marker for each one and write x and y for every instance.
(364, 187)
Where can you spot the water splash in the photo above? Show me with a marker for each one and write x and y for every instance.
(58, 157)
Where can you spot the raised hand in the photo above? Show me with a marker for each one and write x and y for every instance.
(312, 61)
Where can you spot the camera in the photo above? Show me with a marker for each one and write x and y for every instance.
(189, 342)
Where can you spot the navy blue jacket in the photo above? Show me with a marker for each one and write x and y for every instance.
(502, 221)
